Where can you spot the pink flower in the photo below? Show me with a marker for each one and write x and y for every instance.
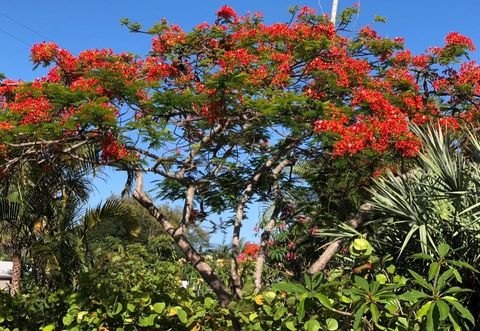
(291, 256)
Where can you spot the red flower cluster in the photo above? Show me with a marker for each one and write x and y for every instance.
(44, 52)
(249, 252)
(457, 39)
(112, 149)
(226, 12)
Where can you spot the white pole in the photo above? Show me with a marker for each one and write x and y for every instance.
(334, 11)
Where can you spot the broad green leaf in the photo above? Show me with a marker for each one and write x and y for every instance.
(323, 300)
(464, 312)
(182, 316)
(381, 279)
(444, 278)
(361, 244)
(362, 283)
(116, 309)
(159, 307)
(68, 319)
(331, 324)
(443, 309)
(49, 327)
(279, 313)
(290, 325)
(433, 318)
(147, 320)
(443, 250)
(312, 325)
(413, 296)
(423, 310)
(289, 287)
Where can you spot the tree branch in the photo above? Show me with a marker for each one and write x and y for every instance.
(333, 247)
(203, 268)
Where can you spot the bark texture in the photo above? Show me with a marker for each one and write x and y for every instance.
(16, 271)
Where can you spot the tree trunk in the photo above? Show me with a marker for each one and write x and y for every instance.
(203, 268)
(332, 248)
(16, 271)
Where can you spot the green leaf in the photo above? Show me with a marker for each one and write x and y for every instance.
(443, 250)
(420, 280)
(312, 325)
(290, 325)
(375, 312)
(422, 256)
(380, 19)
(433, 318)
(182, 316)
(147, 320)
(116, 309)
(456, 289)
(301, 310)
(323, 300)
(49, 327)
(331, 324)
(381, 279)
(158, 307)
(464, 312)
(432, 271)
(362, 283)
(443, 309)
(444, 278)
(361, 244)
(289, 287)
(423, 310)
(279, 313)
(462, 264)
(68, 319)
(358, 316)
(413, 296)
(391, 269)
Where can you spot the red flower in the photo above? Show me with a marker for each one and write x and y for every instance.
(5, 126)
(226, 12)
(44, 52)
(112, 149)
(457, 39)
(251, 250)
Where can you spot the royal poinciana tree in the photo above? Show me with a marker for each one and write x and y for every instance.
(220, 115)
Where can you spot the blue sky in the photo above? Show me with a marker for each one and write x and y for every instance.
(78, 25)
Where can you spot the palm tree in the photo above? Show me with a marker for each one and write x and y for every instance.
(36, 204)
(435, 202)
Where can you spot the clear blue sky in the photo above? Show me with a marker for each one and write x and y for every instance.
(78, 25)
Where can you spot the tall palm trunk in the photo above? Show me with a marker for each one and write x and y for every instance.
(16, 271)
